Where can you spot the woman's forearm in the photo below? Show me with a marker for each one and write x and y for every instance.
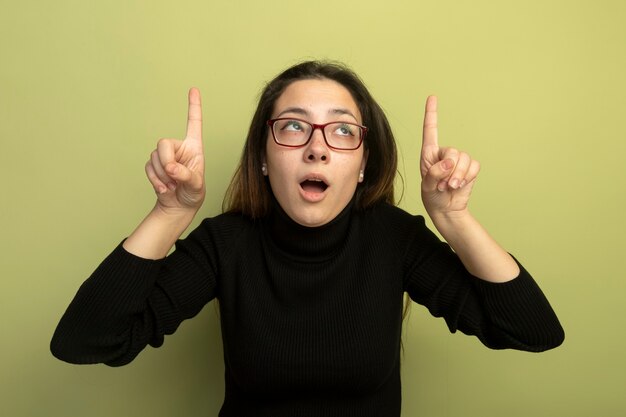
(157, 233)
(481, 255)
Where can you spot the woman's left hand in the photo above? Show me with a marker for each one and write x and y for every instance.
(448, 174)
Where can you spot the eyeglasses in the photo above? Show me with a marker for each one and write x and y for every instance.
(295, 133)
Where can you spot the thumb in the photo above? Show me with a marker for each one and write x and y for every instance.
(183, 175)
(437, 173)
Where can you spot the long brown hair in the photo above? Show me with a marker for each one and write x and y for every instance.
(249, 192)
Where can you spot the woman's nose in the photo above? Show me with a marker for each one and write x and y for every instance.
(317, 148)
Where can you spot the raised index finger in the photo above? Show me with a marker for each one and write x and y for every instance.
(429, 137)
(194, 115)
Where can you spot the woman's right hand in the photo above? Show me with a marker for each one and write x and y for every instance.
(176, 167)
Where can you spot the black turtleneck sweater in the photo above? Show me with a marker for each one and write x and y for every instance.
(311, 317)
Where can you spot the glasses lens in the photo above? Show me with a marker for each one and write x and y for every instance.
(291, 132)
(343, 135)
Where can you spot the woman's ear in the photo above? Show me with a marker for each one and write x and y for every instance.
(363, 165)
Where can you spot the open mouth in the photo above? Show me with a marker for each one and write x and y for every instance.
(314, 186)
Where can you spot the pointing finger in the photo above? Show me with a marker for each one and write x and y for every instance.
(194, 115)
(429, 137)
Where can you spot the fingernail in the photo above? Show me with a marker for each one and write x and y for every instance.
(454, 183)
(171, 186)
(447, 164)
(441, 186)
(162, 190)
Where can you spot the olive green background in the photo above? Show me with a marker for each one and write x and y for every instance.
(535, 90)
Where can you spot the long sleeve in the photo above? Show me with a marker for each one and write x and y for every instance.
(129, 302)
(519, 314)
(311, 318)
(515, 314)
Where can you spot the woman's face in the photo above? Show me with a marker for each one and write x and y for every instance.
(314, 183)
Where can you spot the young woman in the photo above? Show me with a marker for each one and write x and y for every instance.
(310, 259)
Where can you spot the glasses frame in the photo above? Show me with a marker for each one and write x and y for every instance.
(316, 126)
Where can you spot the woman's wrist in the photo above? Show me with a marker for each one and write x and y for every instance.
(481, 255)
(157, 233)
(450, 221)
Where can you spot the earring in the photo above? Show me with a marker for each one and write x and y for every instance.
(264, 169)
(361, 175)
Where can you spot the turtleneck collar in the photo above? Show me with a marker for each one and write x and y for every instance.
(310, 243)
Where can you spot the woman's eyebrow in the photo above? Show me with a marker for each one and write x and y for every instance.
(304, 112)
(297, 110)
(342, 111)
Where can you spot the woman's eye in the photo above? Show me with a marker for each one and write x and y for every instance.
(293, 125)
(345, 130)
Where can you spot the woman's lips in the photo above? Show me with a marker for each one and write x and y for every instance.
(313, 186)
(313, 190)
